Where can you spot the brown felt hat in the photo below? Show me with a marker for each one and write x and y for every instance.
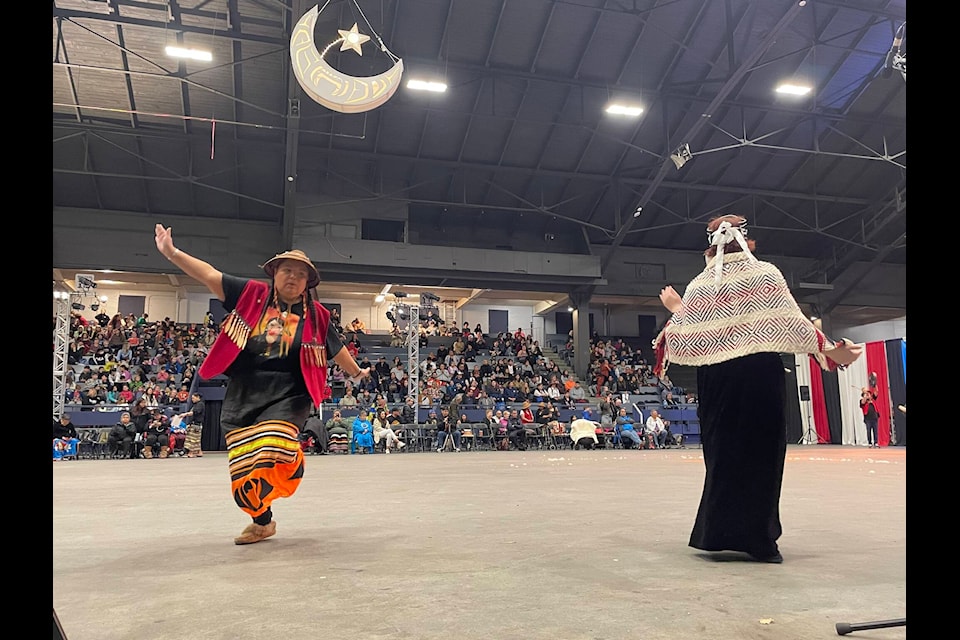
(270, 266)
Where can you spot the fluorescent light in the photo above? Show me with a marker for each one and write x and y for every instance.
(380, 298)
(624, 110)
(193, 54)
(386, 289)
(424, 85)
(793, 89)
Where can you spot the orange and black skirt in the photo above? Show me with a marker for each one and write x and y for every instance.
(266, 463)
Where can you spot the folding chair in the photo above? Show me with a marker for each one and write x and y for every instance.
(481, 433)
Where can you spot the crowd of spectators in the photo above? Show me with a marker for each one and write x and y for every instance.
(119, 362)
(121, 359)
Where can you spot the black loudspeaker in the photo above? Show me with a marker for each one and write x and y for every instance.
(804, 392)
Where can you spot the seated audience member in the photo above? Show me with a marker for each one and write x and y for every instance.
(396, 421)
(628, 434)
(120, 438)
(383, 431)
(447, 427)
(363, 432)
(340, 432)
(314, 434)
(577, 393)
(348, 400)
(516, 430)
(65, 440)
(656, 430)
(156, 438)
(176, 435)
(669, 402)
(583, 434)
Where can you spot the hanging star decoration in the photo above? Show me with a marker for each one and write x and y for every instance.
(352, 39)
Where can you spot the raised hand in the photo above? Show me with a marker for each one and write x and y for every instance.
(671, 299)
(845, 354)
(164, 238)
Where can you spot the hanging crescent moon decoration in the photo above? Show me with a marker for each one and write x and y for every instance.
(329, 87)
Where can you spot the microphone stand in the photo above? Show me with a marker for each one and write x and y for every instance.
(805, 438)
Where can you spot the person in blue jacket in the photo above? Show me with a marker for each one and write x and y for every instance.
(363, 432)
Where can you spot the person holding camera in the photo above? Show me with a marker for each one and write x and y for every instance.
(156, 438)
(871, 417)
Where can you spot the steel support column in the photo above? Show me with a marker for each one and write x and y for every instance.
(581, 335)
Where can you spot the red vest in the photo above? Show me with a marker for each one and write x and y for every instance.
(236, 327)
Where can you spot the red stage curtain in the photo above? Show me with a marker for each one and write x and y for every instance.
(877, 362)
(820, 420)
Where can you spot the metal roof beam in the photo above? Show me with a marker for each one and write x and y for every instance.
(732, 82)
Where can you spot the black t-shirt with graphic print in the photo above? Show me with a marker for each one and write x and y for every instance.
(272, 337)
(266, 382)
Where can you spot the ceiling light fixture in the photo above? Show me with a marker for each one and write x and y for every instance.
(793, 89)
(380, 298)
(636, 214)
(624, 110)
(424, 85)
(192, 54)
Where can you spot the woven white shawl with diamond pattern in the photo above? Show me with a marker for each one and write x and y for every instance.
(751, 310)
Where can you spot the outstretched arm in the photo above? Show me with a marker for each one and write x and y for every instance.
(211, 277)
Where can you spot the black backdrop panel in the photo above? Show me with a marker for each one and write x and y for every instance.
(898, 388)
(792, 404)
(831, 394)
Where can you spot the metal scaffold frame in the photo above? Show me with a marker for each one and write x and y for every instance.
(413, 359)
(67, 300)
(61, 342)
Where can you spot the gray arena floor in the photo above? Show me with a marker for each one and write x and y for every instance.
(489, 545)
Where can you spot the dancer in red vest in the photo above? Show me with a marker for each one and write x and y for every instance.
(273, 346)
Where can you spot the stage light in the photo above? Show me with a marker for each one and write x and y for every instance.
(424, 85)
(624, 110)
(192, 54)
(681, 156)
(793, 89)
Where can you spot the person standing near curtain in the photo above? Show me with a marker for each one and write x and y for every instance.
(192, 444)
(274, 379)
(734, 320)
(871, 417)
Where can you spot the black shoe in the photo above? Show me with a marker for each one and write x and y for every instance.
(774, 559)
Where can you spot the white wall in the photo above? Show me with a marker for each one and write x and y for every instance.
(876, 332)
(158, 305)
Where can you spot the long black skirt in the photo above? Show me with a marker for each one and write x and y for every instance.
(744, 435)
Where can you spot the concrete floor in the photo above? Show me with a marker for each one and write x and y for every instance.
(559, 545)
